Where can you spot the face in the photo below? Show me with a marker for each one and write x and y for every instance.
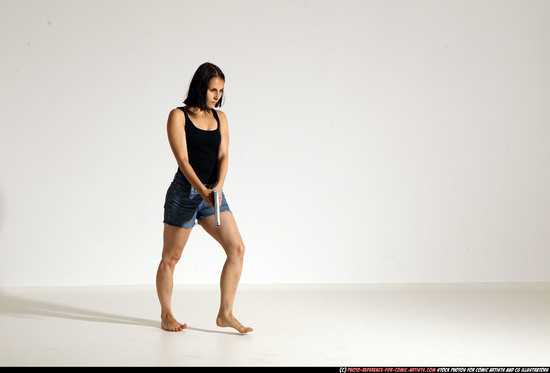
(214, 92)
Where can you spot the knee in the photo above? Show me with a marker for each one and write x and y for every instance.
(170, 260)
(236, 251)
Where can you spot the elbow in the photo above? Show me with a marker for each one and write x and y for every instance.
(222, 157)
(183, 163)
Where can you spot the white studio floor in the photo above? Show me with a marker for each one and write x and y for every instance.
(295, 325)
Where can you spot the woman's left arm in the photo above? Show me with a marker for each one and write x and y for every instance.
(222, 152)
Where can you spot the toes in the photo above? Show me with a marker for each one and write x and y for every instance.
(174, 327)
(243, 329)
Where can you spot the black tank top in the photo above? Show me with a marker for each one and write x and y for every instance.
(202, 149)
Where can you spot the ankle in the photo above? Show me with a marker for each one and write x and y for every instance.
(225, 314)
(166, 314)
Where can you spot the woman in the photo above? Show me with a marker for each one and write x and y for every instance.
(198, 136)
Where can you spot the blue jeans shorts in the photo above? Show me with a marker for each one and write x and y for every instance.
(183, 205)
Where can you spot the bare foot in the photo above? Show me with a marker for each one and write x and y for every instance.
(169, 323)
(231, 321)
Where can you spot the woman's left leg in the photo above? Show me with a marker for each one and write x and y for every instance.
(227, 234)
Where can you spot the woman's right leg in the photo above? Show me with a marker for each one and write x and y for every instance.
(175, 239)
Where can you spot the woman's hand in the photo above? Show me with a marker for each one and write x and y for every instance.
(208, 195)
(219, 189)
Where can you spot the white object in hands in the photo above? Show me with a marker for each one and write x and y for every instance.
(217, 206)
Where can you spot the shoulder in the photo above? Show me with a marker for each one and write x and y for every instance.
(223, 120)
(176, 117)
(221, 115)
(177, 112)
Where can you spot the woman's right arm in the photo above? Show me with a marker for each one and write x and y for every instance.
(178, 143)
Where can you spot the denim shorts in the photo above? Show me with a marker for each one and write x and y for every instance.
(183, 205)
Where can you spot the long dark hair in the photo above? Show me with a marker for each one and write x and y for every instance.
(196, 96)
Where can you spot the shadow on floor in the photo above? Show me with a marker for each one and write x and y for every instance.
(15, 306)
(18, 306)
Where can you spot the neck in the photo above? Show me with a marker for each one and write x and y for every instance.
(198, 111)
